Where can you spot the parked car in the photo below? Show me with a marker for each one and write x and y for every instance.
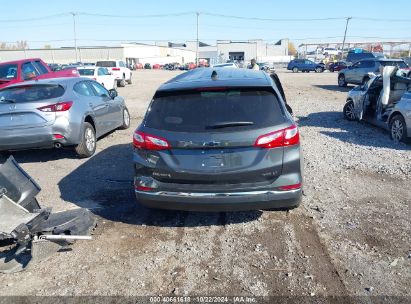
(226, 65)
(119, 69)
(264, 66)
(157, 66)
(147, 66)
(336, 66)
(330, 51)
(139, 66)
(200, 147)
(305, 65)
(356, 55)
(59, 112)
(191, 66)
(12, 72)
(359, 72)
(54, 67)
(99, 74)
(385, 101)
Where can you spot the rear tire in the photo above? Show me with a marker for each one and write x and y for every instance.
(121, 83)
(87, 145)
(126, 119)
(349, 111)
(398, 128)
(295, 70)
(341, 81)
(331, 70)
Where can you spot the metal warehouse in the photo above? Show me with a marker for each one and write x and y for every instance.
(130, 53)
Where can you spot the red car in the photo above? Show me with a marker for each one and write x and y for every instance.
(191, 66)
(337, 66)
(29, 69)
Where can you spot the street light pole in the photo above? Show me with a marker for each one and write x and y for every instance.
(198, 17)
(345, 36)
(75, 34)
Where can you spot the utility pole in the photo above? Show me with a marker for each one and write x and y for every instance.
(345, 36)
(198, 17)
(75, 34)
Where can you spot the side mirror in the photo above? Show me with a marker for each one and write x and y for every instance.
(289, 109)
(113, 93)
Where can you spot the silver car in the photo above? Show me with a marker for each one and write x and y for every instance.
(385, 101)
(59, 112)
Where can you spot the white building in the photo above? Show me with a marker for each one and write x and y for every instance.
(242, 51)
(130, 53)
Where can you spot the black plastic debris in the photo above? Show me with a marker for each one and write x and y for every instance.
(33, 233)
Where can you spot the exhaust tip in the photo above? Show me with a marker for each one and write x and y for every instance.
(57, 145)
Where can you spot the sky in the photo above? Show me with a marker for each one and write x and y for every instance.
(57, 31)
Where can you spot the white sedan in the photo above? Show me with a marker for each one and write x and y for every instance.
(99, 74)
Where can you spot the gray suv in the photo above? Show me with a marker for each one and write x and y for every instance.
(359, 72)
(218, 140)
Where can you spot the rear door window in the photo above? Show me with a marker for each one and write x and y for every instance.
(30, 93)
(200, 111)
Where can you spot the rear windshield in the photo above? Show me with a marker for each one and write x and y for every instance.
(86, 72)
(106, 64)
(8, 71)
(200, 111)
(30, 93)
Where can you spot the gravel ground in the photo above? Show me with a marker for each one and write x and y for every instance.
(351, 235)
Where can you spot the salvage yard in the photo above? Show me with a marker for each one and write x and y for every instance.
(350, 236)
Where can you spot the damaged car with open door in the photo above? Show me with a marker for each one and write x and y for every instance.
(385, 101)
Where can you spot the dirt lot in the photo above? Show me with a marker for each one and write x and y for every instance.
(351, 235)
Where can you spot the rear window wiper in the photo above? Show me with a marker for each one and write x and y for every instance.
(7, 100)
(227, 124)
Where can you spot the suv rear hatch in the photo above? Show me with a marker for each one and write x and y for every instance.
(28, 106)
(213, 136)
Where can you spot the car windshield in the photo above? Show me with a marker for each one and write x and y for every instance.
(197, 111)
(86, 72)
(8, 71)
(106, 64)
(28, 93)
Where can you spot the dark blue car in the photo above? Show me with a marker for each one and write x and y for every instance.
(305, 65)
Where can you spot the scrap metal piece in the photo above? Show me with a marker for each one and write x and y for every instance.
(18, 185)
(42, 249)
(14, 260)
(71, 222)
(11, 216)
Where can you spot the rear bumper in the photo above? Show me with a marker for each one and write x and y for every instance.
(36, 137)
(218, 202)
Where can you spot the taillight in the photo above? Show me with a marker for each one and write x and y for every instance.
(149, 142)
(57, 107)
(281, 138)
(291, 187)
(115, 69)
